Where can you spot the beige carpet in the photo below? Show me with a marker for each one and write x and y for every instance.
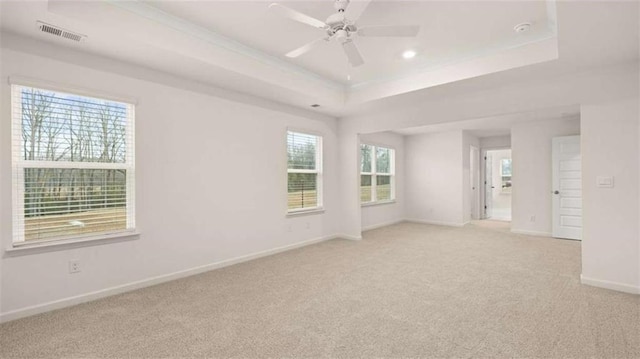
(408, 290)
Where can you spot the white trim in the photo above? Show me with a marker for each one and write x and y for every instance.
(70, 89)
(216, 39)
(70, 301)
(531, 233)
(377, 144)
(378, 203)
(380, 225)
(600, 283)
(318, 171)
(436, 223)
(55, 244)
(349, 237)
(18, 164)
(17, 174)
(305, 211)
(374, 174)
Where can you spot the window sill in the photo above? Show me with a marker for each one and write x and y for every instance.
(62, 244)
(305, 212)
(378, 203)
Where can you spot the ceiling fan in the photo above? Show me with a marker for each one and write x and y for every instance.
(342, 27)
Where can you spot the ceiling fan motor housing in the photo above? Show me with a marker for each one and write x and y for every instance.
(337, 22)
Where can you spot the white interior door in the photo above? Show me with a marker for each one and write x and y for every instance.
(567, 187)
(488, 186)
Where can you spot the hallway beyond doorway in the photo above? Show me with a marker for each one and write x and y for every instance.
(498, 185)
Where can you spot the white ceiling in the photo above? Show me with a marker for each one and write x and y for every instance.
(238, 45)
(450, 31)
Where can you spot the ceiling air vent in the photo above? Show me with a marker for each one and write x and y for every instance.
(60, 32)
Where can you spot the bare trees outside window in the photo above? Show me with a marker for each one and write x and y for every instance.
(376, 174)
(304, 171)
(73, 165)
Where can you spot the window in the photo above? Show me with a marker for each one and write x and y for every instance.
(304, 185)
(377, 169)
(505, 171)
(73, 165)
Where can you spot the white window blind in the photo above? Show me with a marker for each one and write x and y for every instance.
(304, 170)
(377, 171)
(73, 165)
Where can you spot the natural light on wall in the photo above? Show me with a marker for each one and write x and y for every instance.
(376, 174)
(73, 165)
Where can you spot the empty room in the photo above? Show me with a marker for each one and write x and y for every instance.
(319, 179)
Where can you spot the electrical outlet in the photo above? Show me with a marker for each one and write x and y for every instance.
(74, 266)
(533, 218)
(308, 225)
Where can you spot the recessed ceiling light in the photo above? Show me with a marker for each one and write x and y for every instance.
(409, 54)
(525, 26)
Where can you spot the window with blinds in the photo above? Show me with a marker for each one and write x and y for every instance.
(377, 170)
(73, 165)
(304, 171)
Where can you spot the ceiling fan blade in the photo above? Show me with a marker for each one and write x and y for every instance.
(353, 54)
(305, 48)
(355, 9)
(297, 16)
(390, 31)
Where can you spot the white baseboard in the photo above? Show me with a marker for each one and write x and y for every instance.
(70, 301)
(380, 225)
(620, 287)
(348, 236)
(437, 223)
(531, 233)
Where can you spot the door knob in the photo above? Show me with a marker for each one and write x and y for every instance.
(556, 192)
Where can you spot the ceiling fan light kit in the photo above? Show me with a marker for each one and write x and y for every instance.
(342, 27)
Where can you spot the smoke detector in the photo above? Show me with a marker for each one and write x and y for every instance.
(525, 26)
(59, 32)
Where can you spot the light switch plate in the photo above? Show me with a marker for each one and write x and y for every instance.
(604, 181)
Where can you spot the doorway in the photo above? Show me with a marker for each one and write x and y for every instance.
(497, 185)
(474, 181)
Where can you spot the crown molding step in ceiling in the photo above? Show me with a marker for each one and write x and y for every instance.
(341, 53)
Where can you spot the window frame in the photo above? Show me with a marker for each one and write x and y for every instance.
(374, 174)
(18, 165)
(318, 171)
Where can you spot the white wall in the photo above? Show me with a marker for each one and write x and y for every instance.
(430, 106)
(378, 215)
(495, 142)
(434, 178)
(531, 152)
(590, 86)
(610, 147)
(211, 186)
